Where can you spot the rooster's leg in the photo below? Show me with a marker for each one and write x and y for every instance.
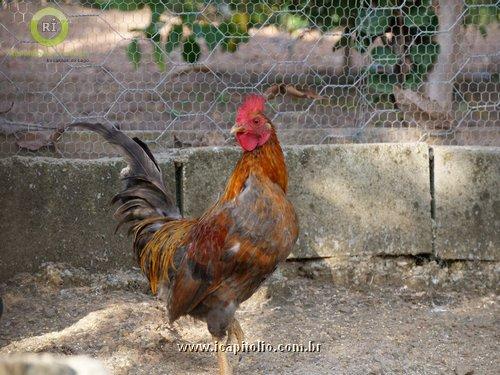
(224, 365)
(236, 332)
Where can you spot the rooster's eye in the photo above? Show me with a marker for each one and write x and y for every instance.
(256, 121)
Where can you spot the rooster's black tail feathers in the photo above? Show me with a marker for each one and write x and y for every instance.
(145, 195)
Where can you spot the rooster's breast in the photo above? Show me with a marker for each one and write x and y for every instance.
(263, 215)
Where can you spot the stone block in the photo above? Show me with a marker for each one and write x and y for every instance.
(467, 201)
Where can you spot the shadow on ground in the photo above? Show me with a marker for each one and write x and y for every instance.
(376, 330)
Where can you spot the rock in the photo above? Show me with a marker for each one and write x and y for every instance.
(463, 370)
(48, 364)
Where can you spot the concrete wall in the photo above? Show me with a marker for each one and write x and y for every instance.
(467, 201)
(58, 210)
(370, 199)
(350, 199)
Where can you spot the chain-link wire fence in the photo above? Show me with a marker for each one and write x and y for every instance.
(174, 72)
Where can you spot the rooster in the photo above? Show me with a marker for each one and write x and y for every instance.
(206, 267)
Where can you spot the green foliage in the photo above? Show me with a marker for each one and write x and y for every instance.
(405, 30)
(424, 56)
(384, 56)
(212, 35)
(134, 52)
(405, 58)
(174, 38)
(230, 32)
(382, 83)
(421, 18)
(293, 22)
(191, 50)
(124, 5)
(234, 32)
(481, 13)
(407, 55)
(373, 22)
(330, 14)
(158, 56)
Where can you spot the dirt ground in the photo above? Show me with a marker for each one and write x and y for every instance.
(367, 330)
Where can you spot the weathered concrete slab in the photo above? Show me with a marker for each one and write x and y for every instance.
(50, 364)
(351, 199)
(58, 210)
(204, 175)
(357, 199)
(467, 199)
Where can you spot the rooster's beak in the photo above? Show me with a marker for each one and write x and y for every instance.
(237, 129)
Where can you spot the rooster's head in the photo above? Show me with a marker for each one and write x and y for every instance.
(252, 128)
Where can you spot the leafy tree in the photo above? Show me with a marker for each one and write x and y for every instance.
(404, 31)
(406, 49)
(230, 30)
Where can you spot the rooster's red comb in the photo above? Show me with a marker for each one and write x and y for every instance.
(251, 105)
